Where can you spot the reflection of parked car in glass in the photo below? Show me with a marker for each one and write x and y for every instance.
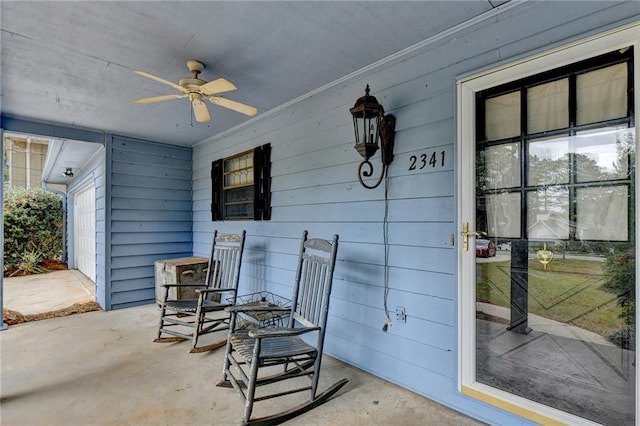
(485, 248)
(504, 246)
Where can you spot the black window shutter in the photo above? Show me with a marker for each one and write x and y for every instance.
(262, 182)
(216, 190)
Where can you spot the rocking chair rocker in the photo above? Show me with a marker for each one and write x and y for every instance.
(188, 319)
(250, 350)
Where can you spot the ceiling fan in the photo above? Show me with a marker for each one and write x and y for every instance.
(197, 90)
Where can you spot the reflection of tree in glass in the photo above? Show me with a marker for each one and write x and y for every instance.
(481, 180)
(502, 168)
(620, 280)
(544, 171)
(625, 148)
(588, 170)
(552, 172)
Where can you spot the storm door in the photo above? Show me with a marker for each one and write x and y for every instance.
(547, 243)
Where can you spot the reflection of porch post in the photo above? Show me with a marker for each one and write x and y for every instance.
(519, 287)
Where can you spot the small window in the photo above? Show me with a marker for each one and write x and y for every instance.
(241, 186)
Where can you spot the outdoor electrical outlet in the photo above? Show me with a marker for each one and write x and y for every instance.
(401, 314)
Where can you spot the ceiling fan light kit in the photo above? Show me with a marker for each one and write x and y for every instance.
(196, 90)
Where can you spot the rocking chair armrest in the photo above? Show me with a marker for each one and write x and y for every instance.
(261, 333)
(182, 285)
(215, 290)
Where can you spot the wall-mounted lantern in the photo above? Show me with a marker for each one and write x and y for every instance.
(372, 126)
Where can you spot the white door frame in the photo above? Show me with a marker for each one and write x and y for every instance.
(467, 88)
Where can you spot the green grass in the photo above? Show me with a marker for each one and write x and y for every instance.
(569, 291)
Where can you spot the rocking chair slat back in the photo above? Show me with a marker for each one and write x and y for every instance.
(315, 273)
(225, 260)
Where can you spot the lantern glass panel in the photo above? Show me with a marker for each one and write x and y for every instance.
(370, 129)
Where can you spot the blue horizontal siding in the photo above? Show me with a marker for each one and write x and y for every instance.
(134, 261)
(147, 182)
(129, 238)
(150, 215)
(157, 226)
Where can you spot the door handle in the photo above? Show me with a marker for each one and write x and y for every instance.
(465, 235)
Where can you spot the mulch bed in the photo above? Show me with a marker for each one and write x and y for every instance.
(47, 265)
(54, 265)
(13, 317)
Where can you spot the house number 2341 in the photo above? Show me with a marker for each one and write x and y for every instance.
(419, 162)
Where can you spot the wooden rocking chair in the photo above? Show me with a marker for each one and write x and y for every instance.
(188, 319)
(250, 350)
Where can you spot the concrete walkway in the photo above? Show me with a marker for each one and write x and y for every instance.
(35, 294)
(545, 325)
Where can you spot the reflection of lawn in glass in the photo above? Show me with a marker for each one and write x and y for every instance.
(569, 291)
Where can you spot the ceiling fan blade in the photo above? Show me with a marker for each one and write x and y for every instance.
(234, 105)
(161, 80)
(200, 111)
(217, 86)
(158, 99)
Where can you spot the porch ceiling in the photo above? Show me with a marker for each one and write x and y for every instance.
(71, 63)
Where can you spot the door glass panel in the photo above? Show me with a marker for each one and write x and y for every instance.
(548, 213)
(555, 303)
(547, 106)
(603, 154)
(549, 161)
(602, 213)
(602, 94)
(502, 116)
(502, 166)
(501, 214)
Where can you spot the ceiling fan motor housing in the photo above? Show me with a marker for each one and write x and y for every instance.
(191, 84)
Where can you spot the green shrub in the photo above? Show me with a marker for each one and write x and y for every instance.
(32, 224)
(620, 272)
(624, 337)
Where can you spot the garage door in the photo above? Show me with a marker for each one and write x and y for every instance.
(84, 231)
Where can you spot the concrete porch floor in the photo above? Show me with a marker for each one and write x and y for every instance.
(102, 368)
